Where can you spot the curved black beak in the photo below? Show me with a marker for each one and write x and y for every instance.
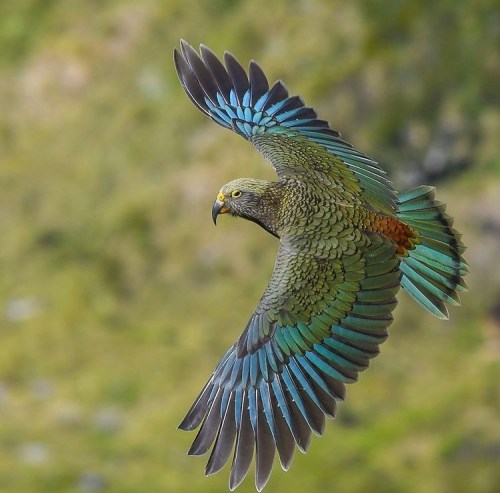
(216, 209)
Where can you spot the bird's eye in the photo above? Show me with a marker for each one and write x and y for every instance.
(235, 194)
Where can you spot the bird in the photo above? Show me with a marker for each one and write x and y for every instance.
(348, 241)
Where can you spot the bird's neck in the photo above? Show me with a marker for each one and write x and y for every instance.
(267, 211)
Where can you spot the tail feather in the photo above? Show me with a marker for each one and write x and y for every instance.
(433, 270)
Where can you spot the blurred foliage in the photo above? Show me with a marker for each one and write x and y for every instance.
(117, 294)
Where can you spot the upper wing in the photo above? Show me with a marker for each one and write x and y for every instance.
(282, 128)
(315, 328)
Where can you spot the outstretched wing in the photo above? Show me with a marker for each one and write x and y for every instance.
(282, 128)
(316, 326)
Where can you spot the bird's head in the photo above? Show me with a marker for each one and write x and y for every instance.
(241, 197)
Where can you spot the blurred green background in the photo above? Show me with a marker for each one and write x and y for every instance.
(118, 296)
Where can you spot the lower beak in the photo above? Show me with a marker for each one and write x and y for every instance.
(219, 207)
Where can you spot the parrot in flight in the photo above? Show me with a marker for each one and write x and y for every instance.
(347, 242)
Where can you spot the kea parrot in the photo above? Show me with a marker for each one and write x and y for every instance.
(347, 242)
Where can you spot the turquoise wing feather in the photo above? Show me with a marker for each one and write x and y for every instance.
(281, 127)
(276, 385)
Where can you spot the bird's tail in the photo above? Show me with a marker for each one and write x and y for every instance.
(433, 269)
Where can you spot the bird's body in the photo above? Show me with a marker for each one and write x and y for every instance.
(348, 241)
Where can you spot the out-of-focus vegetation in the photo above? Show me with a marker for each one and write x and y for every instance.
(118, 296)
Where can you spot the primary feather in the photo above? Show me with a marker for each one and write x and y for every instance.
(347, 243)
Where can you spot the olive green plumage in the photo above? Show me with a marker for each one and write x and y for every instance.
(347, 242)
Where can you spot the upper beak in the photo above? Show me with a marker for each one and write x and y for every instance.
(219, 207)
